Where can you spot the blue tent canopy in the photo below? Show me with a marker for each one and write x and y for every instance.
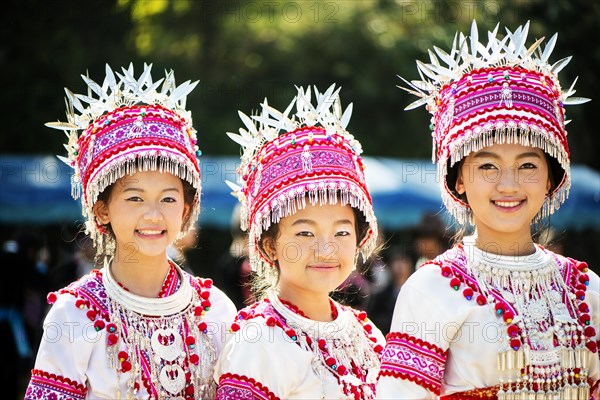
(36, 190)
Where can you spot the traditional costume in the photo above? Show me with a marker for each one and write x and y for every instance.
(100, 340)
(472, 324)
(277, 352)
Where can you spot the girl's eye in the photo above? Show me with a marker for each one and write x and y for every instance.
(134, 199)
(528, 166)
(342, 233)
(305, 233)
(169, 200)
(487, 166)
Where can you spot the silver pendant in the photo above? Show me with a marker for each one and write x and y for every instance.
(172, 378)
(167, 343)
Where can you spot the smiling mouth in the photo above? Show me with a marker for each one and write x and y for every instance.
(323, 267)
(508, 204)
(149, 232)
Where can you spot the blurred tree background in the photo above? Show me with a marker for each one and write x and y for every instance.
(244, 51)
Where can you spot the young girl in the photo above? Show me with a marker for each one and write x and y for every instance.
(309, 215)
(140, 327)
(497, 315)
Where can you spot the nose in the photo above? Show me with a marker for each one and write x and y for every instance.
(325, 250)
(153, 213)
(508, 181)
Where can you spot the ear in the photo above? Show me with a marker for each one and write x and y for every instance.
(459, 186)
(268, 245)
(548, 186)
(101, 212)
(186, 214)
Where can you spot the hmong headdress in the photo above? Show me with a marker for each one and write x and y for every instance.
(131, 124)
(287, 159)
(499, 92)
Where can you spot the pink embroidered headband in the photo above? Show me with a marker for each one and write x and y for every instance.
(129, 126)
(499, 92)
(315, 158)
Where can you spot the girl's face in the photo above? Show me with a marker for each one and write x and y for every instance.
(505, 185)
(146, 211)
(315, 249)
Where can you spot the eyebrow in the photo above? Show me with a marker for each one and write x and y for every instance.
(490, 154)
(134, 189)
(311, 222)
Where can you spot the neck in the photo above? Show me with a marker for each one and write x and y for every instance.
(143, 276)
(315, 307)
(520, 244)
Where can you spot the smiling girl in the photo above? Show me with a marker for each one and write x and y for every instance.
(309, 215)
(497, 316)
(139, 327)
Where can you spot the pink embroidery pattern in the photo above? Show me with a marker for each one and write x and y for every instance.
(241, 387)
(410, 358)
(50, 386)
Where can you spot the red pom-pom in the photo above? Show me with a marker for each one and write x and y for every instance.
(585, 279)
(580, 294)
(581, 286)
(322, 344)
(125, 366)
(205, 295)
(342, 370)
(512, 330)
(368, 328)
(190, 340)
(271, 321)
(362, 315)
(112, 328)
(582, 266)
(583, 307)
(198, 311)
(189, 390)
(79, 303)
(205, 304)
(291, 333)
(91, 314)
(499, 307)
(51, 298)
(592, 346)
(508, 316)
(111, 339)
(589, 331)
(235, 327)
(446, 271)
(98, 325)
(468, 293)
(455, 283)
(584, 318)
(122, 356)
(202, 326)
(481, 300)
(515, 344)
(330, 361)
(378, 348)
(207, 283)
(242, 315)
(194, 359)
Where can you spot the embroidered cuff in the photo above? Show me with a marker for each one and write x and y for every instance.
(410, 358)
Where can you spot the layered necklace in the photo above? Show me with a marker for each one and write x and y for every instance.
(547, 327)
(343, 347)
(164, 343)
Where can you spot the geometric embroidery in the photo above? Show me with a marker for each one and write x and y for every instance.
(410, 358)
